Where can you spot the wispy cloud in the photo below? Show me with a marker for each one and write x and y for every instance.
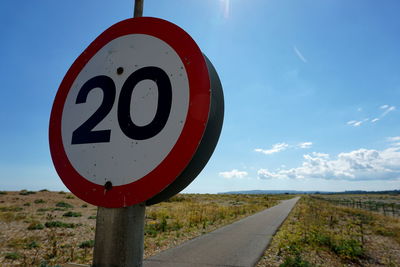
(299, 54)
(384, 106)
(275, 149)
(283, 146)
(356, 123)
(233, 174)
(386, 110)
(357, 165)
(393, 139)
(304, 145)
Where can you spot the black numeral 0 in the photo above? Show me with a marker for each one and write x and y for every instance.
(163, 106)
(84, 134)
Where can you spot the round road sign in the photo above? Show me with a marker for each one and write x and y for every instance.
(130, 115)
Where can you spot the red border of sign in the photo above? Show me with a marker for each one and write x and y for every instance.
(180, 155)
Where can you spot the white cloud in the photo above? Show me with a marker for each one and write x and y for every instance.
(283, 146)
(304, 145)
(356, 123)
(357, 165)
(299, 54)
(388, 110)
(393, 139)
(384, 106)
(233, 174)
(264, 174)
(275, 149)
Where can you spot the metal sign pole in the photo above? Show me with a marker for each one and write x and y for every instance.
(119, 238)
(138, 12)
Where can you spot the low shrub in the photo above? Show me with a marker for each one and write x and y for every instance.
(35, 226)
(72, 214)
(10, 208)
(32, 245)
(87, 244)
(26, 192)
(349, 248)
(58, 224)
(295, 262)
(12, 256)
(64, 205)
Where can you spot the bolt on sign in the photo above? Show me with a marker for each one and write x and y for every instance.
(137, 116)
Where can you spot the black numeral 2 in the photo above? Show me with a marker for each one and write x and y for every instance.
(84, 134)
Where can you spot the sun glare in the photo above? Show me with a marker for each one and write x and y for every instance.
(225, 8)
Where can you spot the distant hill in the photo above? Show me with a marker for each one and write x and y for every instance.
(259, 192)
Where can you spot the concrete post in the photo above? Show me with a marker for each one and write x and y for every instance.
(119, 237)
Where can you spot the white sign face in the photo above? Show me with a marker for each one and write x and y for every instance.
(121, 118)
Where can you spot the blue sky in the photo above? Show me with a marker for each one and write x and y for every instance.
(311, 88)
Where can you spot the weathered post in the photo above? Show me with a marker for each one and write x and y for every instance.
(119, 236)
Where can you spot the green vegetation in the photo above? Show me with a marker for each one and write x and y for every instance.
(11, 213)
(12, 256)
(72, 214)
(35, 226)
(26, 192)
(32, 245)
(39, 201)
(10, 208)
(59, 224)
(317, 231)
(64, 205)
(45, 264)
(87, 244)
(296, 261)
(43, 209)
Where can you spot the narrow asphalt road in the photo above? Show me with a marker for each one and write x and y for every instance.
(240, 244)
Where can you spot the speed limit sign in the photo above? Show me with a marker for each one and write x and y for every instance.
(137, 115)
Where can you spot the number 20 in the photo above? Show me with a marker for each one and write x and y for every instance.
(84, 134)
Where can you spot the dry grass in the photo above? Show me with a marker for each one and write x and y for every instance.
(49, 228)
(318, 233)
